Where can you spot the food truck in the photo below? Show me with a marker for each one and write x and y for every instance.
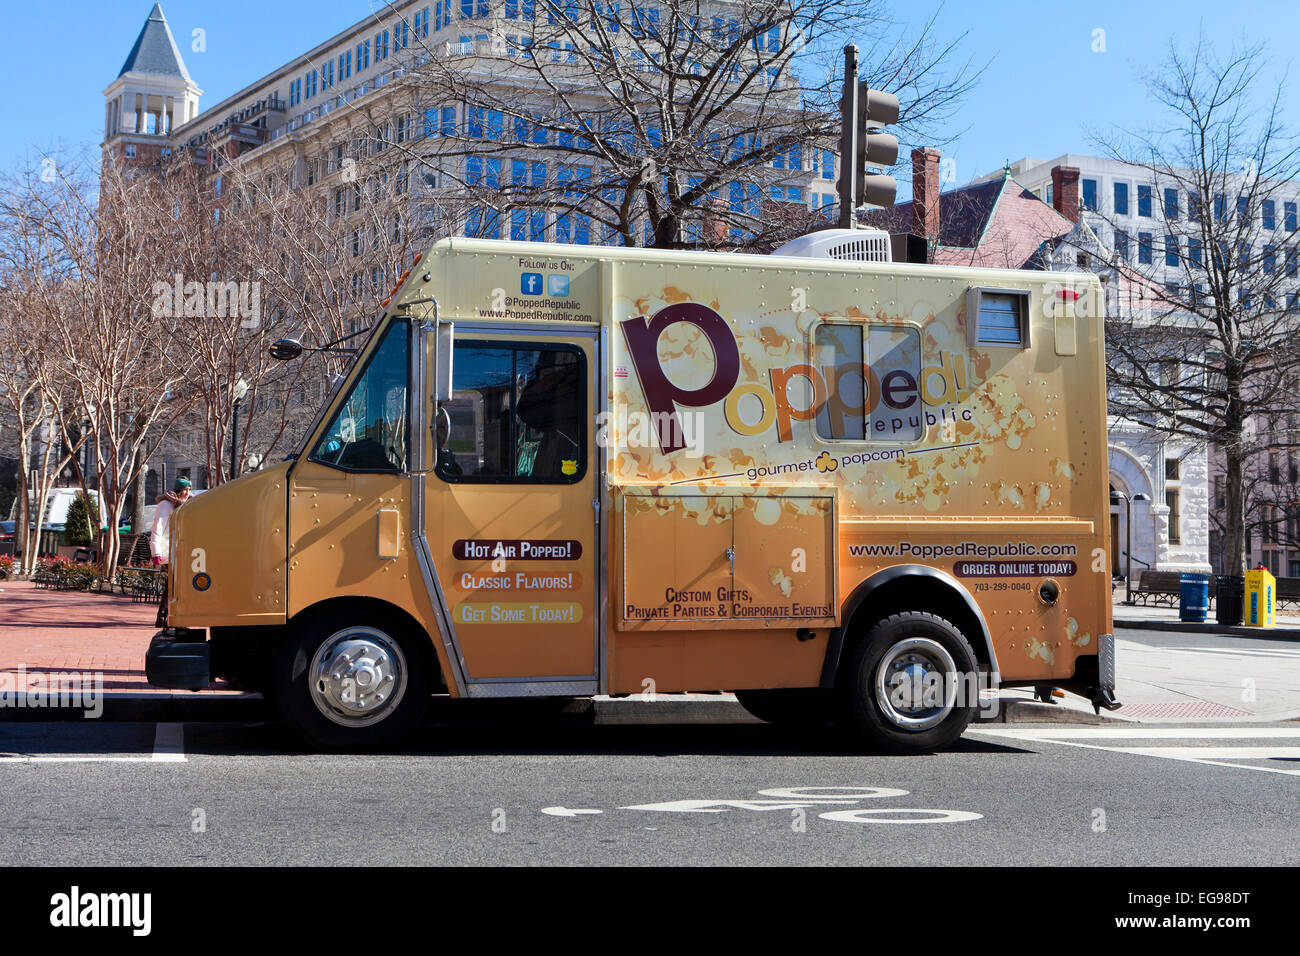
(853, 491)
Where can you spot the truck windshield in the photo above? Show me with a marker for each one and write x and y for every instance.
(368, 432)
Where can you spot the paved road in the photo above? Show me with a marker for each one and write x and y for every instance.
(515, 793)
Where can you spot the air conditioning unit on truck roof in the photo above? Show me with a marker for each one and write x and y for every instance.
(844, 245)
(561, 470)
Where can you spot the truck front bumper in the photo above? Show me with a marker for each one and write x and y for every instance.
(177, 661)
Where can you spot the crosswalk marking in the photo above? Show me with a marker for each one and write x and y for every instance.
(1150, 733)
(1121, 740)
(1285, 653)
(1220, 753)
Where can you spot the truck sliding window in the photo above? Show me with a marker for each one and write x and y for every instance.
(368, 432)
(871, 376)
(517, 415)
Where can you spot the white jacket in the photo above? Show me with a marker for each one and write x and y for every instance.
(160, 539)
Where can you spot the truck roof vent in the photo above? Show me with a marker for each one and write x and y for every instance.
(845, 245)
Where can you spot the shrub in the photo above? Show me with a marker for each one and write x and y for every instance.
(6, 567)
(72, 577)
(83, 518)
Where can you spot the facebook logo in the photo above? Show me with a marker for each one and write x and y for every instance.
(530, 283)
(557, 286)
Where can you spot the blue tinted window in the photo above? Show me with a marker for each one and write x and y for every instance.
(1121, 199)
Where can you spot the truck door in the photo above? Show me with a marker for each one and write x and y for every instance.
(511, 517)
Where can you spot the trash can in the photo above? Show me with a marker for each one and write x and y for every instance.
(1193, 597)
(1229, 594)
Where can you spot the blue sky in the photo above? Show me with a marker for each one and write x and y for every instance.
(1043, 90)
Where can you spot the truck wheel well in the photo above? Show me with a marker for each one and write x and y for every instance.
(904, 590)
(379, 609)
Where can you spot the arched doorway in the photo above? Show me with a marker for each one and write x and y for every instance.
(1130, 501)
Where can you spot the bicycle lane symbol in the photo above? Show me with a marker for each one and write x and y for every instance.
(803, 798)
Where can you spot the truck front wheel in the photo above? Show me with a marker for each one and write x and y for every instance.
(351, 681)
(909, 686)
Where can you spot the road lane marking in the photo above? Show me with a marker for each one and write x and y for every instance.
(1147, 733)
(1212, 756)
(1286, 653)
(798, 799)
(881, 815)
(1221, 753)
(566, 811)
(168, 747)
(169, 743)
(26, 759)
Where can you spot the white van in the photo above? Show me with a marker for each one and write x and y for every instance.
(57, 504)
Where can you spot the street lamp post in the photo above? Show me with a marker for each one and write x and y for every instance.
(240, 390)
(1128, 538)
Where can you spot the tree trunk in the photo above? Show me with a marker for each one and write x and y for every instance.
(22, 536)
(112, 543)
(1234, 522)
(138, 492)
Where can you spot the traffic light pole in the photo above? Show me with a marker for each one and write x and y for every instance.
(849, 139)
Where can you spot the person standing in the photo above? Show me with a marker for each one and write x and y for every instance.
(160, 540)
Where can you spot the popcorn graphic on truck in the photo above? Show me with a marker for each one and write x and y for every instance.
(850, 491)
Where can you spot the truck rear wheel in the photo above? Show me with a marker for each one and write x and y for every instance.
(788, 706)
(351, 681)
(907, 686)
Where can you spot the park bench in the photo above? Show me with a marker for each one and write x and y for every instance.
(1288, 591)
(1158, 587)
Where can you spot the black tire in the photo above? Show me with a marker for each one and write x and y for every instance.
(789, 706)
(298, 705)
(858, 704)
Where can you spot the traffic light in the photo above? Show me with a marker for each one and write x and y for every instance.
(863, 144)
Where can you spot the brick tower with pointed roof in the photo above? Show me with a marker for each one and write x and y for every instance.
(152, 95)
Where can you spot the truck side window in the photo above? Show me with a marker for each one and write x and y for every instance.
(517, 415)
(872, 375)
(368, 432)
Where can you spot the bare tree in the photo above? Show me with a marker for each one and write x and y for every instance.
(91, 283)
(1270, 483)
(680, 125)
(1203, 338)
(326, 250)
(32, 396)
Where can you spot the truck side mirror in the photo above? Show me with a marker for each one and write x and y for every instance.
(285, 349)
(443, 346)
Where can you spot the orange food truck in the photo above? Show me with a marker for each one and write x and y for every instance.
(845, 490)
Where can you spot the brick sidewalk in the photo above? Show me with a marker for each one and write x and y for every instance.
(44, 631)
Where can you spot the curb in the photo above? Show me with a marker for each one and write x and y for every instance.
(672, 709)
(1018, 711)
(1237, 630)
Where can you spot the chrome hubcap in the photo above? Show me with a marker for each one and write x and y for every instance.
(916, 684)
(357, 676)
